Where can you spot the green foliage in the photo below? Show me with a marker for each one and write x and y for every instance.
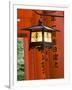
(20, 60)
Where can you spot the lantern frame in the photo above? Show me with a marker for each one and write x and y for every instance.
(40, 28)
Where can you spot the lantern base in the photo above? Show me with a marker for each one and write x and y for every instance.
(40, 45)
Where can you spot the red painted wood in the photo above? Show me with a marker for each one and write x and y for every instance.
(33, 57)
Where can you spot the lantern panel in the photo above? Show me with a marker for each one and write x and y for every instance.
(47, 37)
(36, 36)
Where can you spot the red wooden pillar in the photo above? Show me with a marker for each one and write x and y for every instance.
(26, 59)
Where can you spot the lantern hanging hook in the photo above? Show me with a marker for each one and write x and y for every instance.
(41, 20)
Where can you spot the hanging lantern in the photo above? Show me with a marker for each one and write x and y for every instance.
(41, 36)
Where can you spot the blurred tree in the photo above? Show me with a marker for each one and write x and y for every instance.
(20, 60)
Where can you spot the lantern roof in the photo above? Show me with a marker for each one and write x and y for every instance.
(38, 27)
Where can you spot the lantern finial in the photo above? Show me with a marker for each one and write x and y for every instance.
(41, 21)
